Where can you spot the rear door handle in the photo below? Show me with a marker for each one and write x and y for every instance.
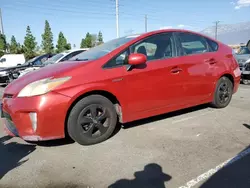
(176, 70)
(211, 61)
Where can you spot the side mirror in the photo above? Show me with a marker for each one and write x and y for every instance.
(137, 59)
(248, 45)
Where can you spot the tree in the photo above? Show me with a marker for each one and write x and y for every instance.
(99, 38)
(47, 39)
(62, 43)
(93, 40)
(3, 43)
(13, 45)
(87, 42)
(82, 45)
(29, 44)
(20, 48)
(68, 46)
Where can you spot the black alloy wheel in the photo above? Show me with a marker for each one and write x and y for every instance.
(223, 93)
(92, 120)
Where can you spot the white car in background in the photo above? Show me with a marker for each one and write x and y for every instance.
(10, 60)
(57, 58)
(64, 56)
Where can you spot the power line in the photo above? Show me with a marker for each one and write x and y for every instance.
(61, 10)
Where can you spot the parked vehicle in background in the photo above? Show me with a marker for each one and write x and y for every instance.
(242, 57)
(32, 64)
(9, 60)
(126, 79)
(11, 73)
(64, 56)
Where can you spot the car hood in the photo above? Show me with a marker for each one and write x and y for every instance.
(54, 70)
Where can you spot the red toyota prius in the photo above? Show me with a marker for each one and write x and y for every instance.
(123, 80)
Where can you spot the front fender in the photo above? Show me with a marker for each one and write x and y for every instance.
(79, 90)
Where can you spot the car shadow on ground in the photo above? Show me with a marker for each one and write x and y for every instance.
(235, 174)
(53, 143)
(164, 116)
(11, 154)
(151, 177)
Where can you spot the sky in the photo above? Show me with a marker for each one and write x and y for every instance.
(77, 17)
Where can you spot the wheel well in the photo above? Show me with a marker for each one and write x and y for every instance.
(230, 77)
(106, 94)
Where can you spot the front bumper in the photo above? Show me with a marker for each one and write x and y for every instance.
(4, 79)
(51, 110)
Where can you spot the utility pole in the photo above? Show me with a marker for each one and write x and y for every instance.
(146, 23)
(216, 29)
(1, 23)
(117, 17)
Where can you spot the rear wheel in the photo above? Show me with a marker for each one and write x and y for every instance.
(92, 120)
(223, 93)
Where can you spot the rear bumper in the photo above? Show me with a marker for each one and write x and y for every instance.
(236, 84)
(51, 110)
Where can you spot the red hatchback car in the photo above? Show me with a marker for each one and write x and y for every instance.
(123, 80)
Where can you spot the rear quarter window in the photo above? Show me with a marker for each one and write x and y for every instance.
(213, 45)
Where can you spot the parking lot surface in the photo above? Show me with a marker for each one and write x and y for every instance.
(197, 147)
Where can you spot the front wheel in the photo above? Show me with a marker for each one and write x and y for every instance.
(223, 93)
(92, 120)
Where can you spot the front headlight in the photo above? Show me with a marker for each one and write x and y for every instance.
(3, 73)
(41, 86)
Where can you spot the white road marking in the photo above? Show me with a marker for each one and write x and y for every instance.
(212, 171)
(191, 117)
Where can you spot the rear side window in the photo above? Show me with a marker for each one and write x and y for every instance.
(192, 44)
(213, 45)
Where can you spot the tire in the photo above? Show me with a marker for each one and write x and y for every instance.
(245, 82)
(92, 120)
(224, 88)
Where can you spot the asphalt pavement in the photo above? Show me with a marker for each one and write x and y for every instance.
(198, 147)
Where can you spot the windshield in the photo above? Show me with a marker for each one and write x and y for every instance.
(29, 61)
(53, 59)
(103, 49)
(244, 50)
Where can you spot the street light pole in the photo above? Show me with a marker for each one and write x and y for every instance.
(117, 17)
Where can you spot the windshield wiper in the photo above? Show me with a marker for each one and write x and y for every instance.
(77, 59)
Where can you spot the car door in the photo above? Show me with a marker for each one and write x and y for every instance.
(157, 84)
(199, 61)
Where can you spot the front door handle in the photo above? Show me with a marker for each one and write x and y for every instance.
(176, 70)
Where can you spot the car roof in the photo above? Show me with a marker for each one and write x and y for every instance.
(143, 35)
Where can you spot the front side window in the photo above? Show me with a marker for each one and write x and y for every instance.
(192, 44)
(160, 46)
(119, 60)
